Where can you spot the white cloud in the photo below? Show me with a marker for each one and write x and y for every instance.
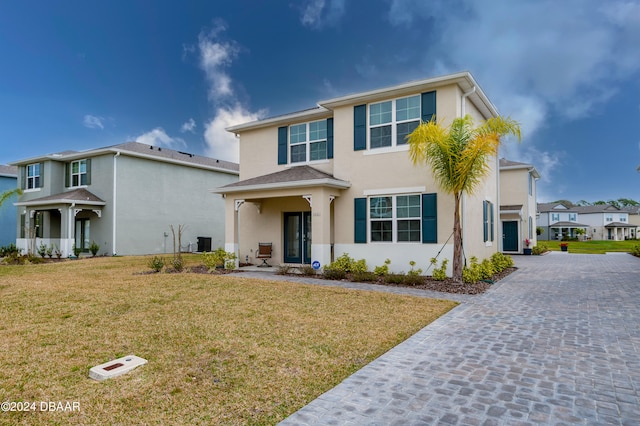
(189, 126)
(220, 143)
(93, 122)
(316, 14)
(158, 137)
(215, 56)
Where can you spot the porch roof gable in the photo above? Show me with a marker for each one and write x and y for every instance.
(77, 196)
(294, 177)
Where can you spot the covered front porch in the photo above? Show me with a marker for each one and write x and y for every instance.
(291, 209)
(618, 231)
(559, 230)
(59, 222)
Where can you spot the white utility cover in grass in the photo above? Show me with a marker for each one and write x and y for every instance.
(117, 367)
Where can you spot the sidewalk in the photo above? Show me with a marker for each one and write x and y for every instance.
(556, 342)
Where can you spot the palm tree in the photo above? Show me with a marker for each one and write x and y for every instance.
(5, 195)
(459, 159)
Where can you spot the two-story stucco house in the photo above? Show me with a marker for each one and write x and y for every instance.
(8, 182)
(606, 222)
(518, 205)
(558, 221)
(124, 197)
(338, 179)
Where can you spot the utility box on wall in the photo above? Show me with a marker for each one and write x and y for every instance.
(204, 244)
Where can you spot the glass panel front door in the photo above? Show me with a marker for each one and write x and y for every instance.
(83, 240)
(297, 237)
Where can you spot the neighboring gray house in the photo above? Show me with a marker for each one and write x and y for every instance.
(124, 197)
(8, 181)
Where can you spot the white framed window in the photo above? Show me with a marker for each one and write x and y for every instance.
(308, 142)
(79, 173)
(390, 122)
(623, 218)
(33, 176)
(573, 217)
(395, 218)
(555, 217)
(608, 218)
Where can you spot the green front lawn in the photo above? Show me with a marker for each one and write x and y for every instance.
(221, 349)
(593, 247)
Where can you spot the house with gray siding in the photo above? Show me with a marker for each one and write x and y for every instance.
(8, 182)
(125, 198)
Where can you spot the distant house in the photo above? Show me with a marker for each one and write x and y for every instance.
(518, 205)
(124, 197)
(557, 221)
(8, 182)
(338, 179)
(600, 222)
(606, 222)
(634, 219)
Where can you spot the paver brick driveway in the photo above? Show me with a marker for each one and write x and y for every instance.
(556, 342)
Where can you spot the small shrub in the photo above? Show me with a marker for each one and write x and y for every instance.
(76, 250)
(413, 279)
(636, 250)
(284, 269)
(42, 250)
(539, 249)
(332, 273)
(394, 278)
(94, 248)
(307, 270)
(219, 259)
(156, 263)
(414, 272)
(50, 251)
(439, 274)
(501, 262)
(364, 277)
(347, 264)
(9, 250)
(382, 270)
(177, 263)
(471, 274)
(486, 269)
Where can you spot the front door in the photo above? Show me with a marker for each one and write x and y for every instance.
(82, 234)
(510, 235)
(297, 237)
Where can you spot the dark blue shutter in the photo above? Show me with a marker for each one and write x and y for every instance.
(282, 145)
(430, 218)
(329, 137)
(67, 175)
(485, 222)
(359, 127)
(23, 177)
(360, 220)
(428, 106)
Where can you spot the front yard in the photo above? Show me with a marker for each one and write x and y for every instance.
(221, 349)
(594, 247)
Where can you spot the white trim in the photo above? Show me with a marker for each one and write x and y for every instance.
(333, 183)
(393, 191)
(385, 150)
(26, 191)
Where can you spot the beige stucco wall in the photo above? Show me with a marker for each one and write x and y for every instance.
(370, 172)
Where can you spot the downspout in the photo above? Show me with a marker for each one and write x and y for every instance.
(463, 210)
(114, 201)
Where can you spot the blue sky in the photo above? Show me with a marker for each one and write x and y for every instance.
(78, 75)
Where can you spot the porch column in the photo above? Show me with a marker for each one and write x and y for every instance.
(231, 229)
(321, 227)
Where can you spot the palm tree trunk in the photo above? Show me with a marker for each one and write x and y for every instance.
(457, 241)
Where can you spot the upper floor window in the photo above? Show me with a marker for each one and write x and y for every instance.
(623, 218)
(33, 176)
(308, 141)
(395, 218)
(608, 218)
(573, 217)
(78, 173)
(390, 122)
(555, 217)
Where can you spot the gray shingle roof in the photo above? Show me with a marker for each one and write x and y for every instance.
(79, 196)
(303, 175)
(8, 170)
